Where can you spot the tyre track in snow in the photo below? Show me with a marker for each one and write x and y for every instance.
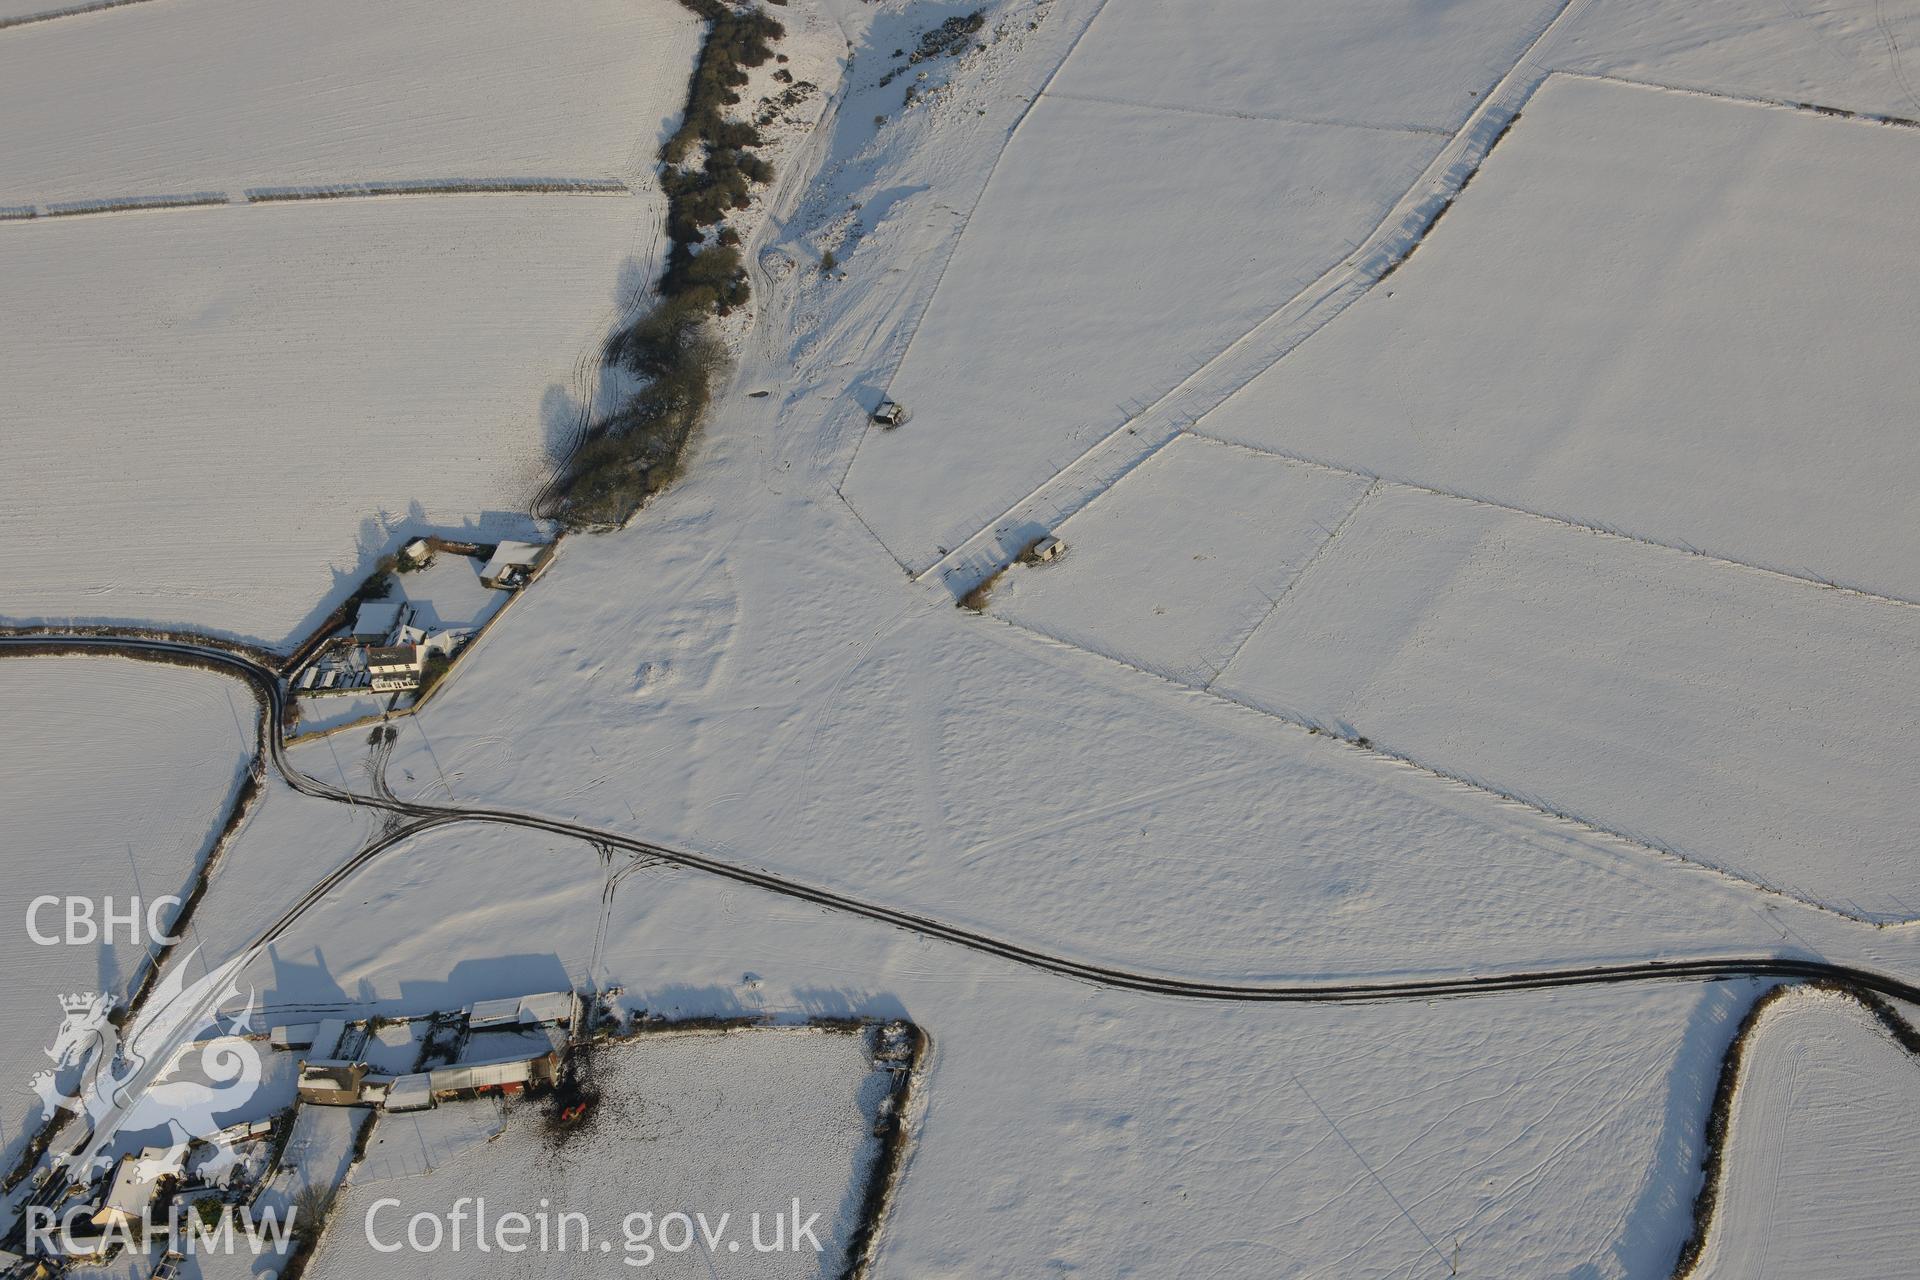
(267, 683)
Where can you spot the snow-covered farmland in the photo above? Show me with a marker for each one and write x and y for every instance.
(1534, 1133)
(25, 12)
(1752, 722)
(455, 915)
(1380, 63)
(744, 673)
(1175, 567)
(115, 778)
(733, 1124)
(749, 689)
(224, 95)
(1049, 328)
(287, 840)
(220, 417)
(1677, 316)
(1824, 1136)
(1858, 55)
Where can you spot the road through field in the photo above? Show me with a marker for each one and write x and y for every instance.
(268, 685)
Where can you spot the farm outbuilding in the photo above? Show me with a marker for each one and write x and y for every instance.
(514, 564)
(540, 1071)
(1046, 549)
(410, 1093)
(546, 1007)
(379, 619)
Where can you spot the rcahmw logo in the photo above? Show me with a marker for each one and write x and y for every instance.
(179, 1067)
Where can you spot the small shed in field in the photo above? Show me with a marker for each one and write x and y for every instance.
(1047, 548)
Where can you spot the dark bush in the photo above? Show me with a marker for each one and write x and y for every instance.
(638, 450)
(707, 171)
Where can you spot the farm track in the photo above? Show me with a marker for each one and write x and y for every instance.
(266, 682)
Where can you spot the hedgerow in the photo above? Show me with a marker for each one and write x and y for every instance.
(707, 171)
(707, 165)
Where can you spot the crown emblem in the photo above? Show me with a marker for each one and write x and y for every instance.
(79, 1001)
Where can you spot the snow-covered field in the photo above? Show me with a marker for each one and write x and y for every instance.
(343, 375)
(1050, 329)
(115, 778)
(457, 915)
(19, 11)
(1858, 55)
(1173, 569)
(744, 672)
(738, 1123)
(1824, 1140)
(750, 699)
(1739, 718)
(1744, 720)
(1533, 1134)
(179, 96)
(332, 712)
(1383, 64)
(219, 417)
(1662, 313)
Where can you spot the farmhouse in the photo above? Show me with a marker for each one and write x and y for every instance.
(444, 641)
(395, 667)
(332, 1082)
(514, 564)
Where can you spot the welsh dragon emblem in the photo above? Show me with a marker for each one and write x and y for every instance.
(175, 1070)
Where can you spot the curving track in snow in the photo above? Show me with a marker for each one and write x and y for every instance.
(268, 685)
